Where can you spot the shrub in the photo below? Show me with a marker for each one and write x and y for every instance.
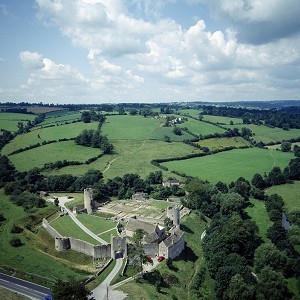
(16, 242)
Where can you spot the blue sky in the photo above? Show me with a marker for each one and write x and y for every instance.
(108, 51)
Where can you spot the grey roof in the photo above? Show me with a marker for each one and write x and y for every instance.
(151, 237)
(175, 236)
(134, 224)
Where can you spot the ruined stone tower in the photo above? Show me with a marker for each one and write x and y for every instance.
(88, 200)
(173, 213)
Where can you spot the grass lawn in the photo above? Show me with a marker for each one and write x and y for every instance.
(160, 204)
(257, 212)
(230, 165)
(184, 268)
(46, 134)
(37, 255)
(220, 143)
(96, 224)
(192, 112)
(201, 128)
(61, 117)
(66, 227)
(37, 157)
(132, 157)
(289, 192)
(222, 120)
(107, 235)
(129, 127)
(268, 134)
(9, 121)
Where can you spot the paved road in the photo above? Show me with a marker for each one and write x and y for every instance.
(28, 289)
(100, 292)
(86, 230)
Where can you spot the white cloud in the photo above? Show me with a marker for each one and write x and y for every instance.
(137, 59)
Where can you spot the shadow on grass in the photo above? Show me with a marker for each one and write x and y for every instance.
(187, 255)
(186, 229)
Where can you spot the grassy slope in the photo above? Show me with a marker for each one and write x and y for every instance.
(228, 166)
(222, 120)
(133, 157)
(190, 261)
(37, 255)
(220, 143)
(47, 134)
(66, 227)
(192, 112)
(37, 157)
(9, 121)
(60, 118)
(267, 134)
(201, 128)
(257, 212)
(289, 192)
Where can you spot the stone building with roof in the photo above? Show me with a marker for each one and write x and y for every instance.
(156, 241)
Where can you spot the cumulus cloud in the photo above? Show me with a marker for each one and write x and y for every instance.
(141, 58)
(256, 21)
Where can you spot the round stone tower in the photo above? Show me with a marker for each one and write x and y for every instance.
(176, 216)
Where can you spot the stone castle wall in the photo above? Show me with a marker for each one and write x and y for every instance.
(50, 229)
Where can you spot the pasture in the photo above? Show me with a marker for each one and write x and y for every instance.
(222, 120)
(40, 135)
(230, 165)
(61, 117)
(200, 128)
(9, 121)
(162, 131)
(132, 156)
(192, 112)
(51, 153)
(257, 212)
(268, 134)
(37, 255)
(289, 192)
(66, 227)
(129, 127)
(221, 143)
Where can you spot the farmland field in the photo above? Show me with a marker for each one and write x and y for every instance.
(46, 134)
(220, 143)
(268, 134)
(37, 255)
(37, 157)
(257, 212)
(129, 127)
(289, 192)
(132, 157)
(201, 128)
(222, 120)
(160, 133)
(192, 112)
(60, 118)
(66, 227)
(9, 121)
(230, 165)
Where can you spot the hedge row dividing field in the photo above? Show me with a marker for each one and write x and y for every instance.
(230, 165)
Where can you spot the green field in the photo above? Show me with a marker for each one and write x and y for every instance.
(268, 134)
(257, 212)
(37, 157)
(132, 157)
(192, 112)
(129, 127)
(37, 255)
(61, 117)
(222, 120)
(95, 224)
(46, 134)
(230, 165)
(66, 227)
(201, 128)
(160, 133)
(9, 121)
(220, 143)
(289, 192)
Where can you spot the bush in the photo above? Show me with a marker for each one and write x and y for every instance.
(16, 242)
(16, 229)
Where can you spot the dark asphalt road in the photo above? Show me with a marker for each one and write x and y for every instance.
(23, 287)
